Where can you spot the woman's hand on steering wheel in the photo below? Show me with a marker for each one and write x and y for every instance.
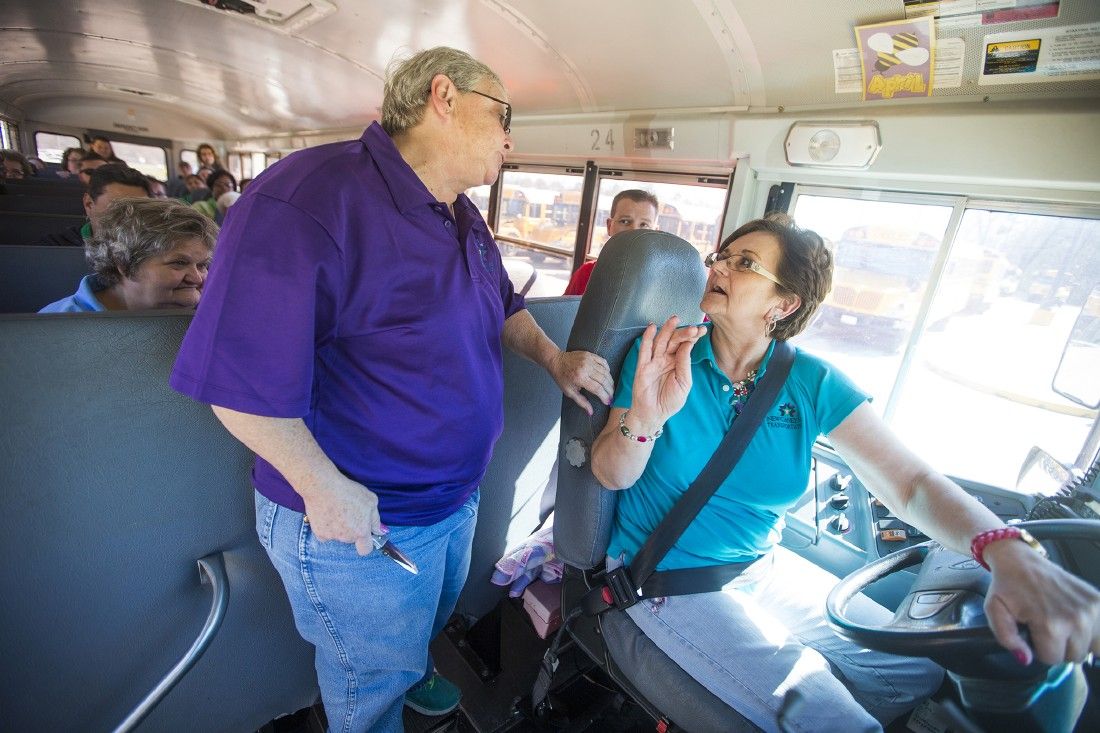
(662, 378)
(1061, 611)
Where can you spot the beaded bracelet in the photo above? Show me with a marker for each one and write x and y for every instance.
(637, 438)
(982, 540)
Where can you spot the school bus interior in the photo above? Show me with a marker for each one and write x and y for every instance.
(965, 227)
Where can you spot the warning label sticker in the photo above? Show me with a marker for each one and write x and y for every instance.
(1012, 57)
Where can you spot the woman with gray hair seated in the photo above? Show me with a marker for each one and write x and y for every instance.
(149, 253)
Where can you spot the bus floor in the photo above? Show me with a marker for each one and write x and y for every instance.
(495, 663)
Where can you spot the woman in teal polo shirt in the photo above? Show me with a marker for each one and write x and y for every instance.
(679, 391)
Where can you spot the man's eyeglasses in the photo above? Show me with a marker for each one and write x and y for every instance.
(506, 118)
(740, 262)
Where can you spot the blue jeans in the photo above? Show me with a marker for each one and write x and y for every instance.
(369, 619)
(765, 633)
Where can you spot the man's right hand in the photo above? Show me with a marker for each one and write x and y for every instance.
(345, 511)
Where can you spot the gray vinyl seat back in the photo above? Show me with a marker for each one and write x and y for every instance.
(641, 277)
(38, 203)
(33, 276)
(20, 227)
(523, 463)
(114, 486)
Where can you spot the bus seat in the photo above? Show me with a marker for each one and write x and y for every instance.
(35, 276)
(18, 227)
(114, 486)
(70, 204)
(523, 459)
(642, 276)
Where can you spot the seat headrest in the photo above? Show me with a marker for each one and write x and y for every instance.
(642, 277)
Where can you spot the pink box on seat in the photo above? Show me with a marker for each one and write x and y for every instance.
(543, 604)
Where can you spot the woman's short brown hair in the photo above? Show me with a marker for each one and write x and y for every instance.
(805, 268)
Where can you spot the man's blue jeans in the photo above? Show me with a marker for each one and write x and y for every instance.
(369, 619)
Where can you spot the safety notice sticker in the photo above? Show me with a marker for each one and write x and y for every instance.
(1068, 53)
(1012, 57)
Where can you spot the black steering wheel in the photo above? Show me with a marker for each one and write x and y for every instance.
(943, 616)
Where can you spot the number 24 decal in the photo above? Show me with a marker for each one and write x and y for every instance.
(608, 139)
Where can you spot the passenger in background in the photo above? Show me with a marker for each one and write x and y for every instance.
(107, 183)
(92, 160)
(38, 167)
(355, 422)
(204, 175)
(226, 200)
(196, 190)
(244, 183)
(157, 188)
(219, 182)
(148, 254)
(15, 166)
(177, 184)
(70, 163)
(102, 147)
(630, 209)
(208, 157)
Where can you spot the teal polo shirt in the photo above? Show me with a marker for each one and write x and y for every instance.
(744, 518)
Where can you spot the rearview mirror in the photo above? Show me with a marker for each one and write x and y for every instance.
(1077, 376)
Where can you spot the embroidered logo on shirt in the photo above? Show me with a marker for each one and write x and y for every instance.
(787, 417)
(483, 251)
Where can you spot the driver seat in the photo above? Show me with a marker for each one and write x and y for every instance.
(642, 277)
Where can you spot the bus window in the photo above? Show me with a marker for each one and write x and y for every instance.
(998, 314)
(51, 146)
(691, 212)
(1013, 286)
(191, 157)
(537, 227)
(480, 196)
(149, 159)
(884, 253)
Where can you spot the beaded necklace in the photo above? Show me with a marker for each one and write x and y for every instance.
(741, 392)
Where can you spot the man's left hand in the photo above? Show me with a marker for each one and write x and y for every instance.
(577, 370)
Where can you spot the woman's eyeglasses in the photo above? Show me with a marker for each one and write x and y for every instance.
(740, 262)
(506, 118)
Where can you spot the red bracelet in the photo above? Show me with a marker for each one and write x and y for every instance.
(982, 540)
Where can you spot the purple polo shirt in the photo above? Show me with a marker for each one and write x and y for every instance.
(343, 293)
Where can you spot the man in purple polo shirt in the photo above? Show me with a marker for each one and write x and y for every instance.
(350, 334)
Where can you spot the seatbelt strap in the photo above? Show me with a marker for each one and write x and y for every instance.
(626, 587)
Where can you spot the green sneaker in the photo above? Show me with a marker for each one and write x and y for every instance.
(437, 696)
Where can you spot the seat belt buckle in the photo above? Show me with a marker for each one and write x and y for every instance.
(619, 591)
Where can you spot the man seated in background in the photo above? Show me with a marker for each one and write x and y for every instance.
(630, 209)
(108, 182)
(92, 160)
(157, 189)
(177, 185)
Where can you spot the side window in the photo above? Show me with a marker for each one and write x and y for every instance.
(537, 228)
(956, 340)
(149, 159)
(51, 146)
(192, 157)
(691, 212)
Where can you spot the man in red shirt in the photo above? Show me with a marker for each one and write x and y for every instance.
(631, 209)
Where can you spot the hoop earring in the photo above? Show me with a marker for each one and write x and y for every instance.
(769, 327)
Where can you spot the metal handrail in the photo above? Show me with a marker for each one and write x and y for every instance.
(211, 572)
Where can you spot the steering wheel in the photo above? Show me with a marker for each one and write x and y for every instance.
(943, 616)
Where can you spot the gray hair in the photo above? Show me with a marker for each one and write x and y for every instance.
(409, 82)
(132, 230)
